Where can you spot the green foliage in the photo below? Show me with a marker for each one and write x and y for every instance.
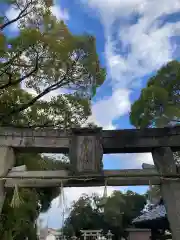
(116, 214)
(43, 57)
(121, 208)
(159, 103)
(62, 111)
(82, 216)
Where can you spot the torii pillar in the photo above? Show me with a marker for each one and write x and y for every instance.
(170, 188)
(7, 160)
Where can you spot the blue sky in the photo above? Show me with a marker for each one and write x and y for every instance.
(134, 39)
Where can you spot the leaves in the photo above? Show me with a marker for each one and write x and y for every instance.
(48, 3)
(159, 103)
(16, 199)
(45, 57)
(116, 214)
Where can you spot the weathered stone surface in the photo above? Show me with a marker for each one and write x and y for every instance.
(170, 188)
(139, 234)
(6, 163)
(140, 140)
(86, 150)
(114, 141)
(29, 140)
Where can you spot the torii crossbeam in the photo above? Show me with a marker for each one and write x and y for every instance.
(86, 148)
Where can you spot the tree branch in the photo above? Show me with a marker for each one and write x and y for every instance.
(53, 87)
(6, 64)
(22, 14)
(46, 124)
(11, 83)
(35, 99)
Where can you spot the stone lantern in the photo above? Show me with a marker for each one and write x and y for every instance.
(109, 235)
(86, 151)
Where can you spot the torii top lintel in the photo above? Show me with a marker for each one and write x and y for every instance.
(113, 141)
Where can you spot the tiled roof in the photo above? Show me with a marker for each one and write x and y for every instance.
(154, 212)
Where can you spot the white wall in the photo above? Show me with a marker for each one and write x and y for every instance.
(50, 237)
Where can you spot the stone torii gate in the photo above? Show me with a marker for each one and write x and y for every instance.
(91, 234)
(86, 147)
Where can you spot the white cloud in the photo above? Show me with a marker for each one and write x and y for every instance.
(148, 42)
(110, 108)
(12, 13)
(135, 160)
(144, 158)
(46, 97)
(112, 9)
(148, 45)
(129, 160)
(71, 194)
(61, 14)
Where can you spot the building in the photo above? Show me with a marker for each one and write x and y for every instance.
(45, 233)
(154, 217)
(49, 234)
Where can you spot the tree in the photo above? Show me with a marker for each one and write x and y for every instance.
(159, 102)
(120, 209)
(44, 57)
(84, 214)
(116, 214)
